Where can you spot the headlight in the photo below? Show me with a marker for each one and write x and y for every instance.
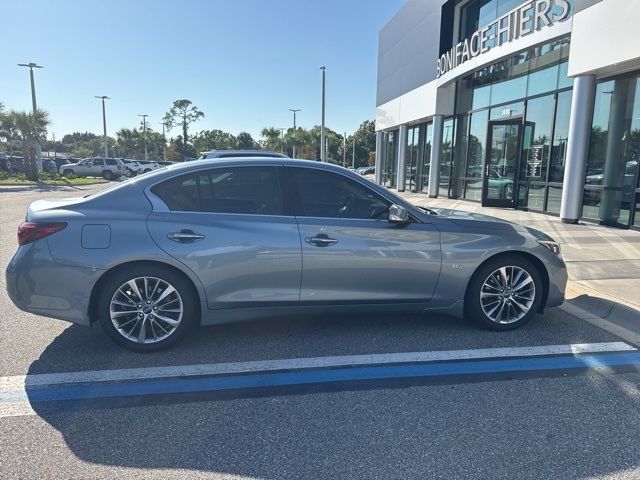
(553, 247)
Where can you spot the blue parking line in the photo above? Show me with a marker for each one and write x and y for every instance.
(328, 375)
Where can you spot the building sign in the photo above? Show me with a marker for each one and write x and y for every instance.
(529, 17)
(534, 162)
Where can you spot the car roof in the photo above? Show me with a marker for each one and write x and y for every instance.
(254, 153)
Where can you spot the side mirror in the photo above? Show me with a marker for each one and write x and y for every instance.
(398, 214)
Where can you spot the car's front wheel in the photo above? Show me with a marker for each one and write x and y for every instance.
(504, 293)
(146, 308)
(67, 172)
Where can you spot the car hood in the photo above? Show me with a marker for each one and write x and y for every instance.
(462, 215)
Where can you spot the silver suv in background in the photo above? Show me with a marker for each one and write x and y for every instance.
(108, 168)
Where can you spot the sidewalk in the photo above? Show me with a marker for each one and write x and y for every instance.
(602, 261)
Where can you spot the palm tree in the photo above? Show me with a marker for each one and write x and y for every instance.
(28, 129)
(272, 138)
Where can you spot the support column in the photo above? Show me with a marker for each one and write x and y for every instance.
(402, 155)
(379, 150)
(436, 155)
(584, 90)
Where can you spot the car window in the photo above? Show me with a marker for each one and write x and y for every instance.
(111, 161)
(98, 162)
(328, 194)
(248, 190)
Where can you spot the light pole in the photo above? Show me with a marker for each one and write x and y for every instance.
(344, 150)
(323, 145)
(294, 110)
(144, 135)
(282, 139)
(31, 66)
(353, 154)
(164, 143)
(104, 125)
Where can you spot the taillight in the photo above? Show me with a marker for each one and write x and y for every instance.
(31, 231)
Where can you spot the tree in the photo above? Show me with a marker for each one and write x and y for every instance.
(246, 142)
(29, 129)
(182, 113)
(272, 139)
(213, 140)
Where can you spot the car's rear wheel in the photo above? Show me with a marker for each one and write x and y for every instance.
(107, 175)
(504, 293)
(146, 308)
(67, 172)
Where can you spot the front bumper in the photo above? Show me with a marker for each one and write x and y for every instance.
(558, 277)
(38, 285)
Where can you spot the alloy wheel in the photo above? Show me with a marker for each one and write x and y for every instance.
(146, 310)
(507, 294)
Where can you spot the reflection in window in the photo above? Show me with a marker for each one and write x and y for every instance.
(560, 136)
(427, 138)
(446, 155)
(389, 159)
(613, 152)
(537, 139)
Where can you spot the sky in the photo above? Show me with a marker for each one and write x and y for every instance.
(244, 63)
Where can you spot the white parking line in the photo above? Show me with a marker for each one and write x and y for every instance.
(18, 383)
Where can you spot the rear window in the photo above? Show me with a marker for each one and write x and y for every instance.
(244, 190)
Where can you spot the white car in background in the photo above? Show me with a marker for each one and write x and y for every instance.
(148, 166)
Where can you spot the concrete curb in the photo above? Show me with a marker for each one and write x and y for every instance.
(604, 311)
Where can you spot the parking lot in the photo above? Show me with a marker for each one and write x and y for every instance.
(558, 398)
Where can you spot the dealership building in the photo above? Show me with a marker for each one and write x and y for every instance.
(531, 105)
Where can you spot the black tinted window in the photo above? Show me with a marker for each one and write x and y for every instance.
(226, 190)
(111, 161)
(327, 194)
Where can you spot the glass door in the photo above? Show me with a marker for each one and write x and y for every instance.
(501, 164)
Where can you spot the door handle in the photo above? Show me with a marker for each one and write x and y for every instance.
(185, 236)
(321, 240)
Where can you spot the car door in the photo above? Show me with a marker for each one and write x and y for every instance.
(97, 168)
(350, 250)
(82, 168)
(230, 227)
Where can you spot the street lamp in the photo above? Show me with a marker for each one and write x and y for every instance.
(104, 125)
(282, 139)
(344, 150)
(31, 66)
(294, 110)
(323, 145)
(144, 135)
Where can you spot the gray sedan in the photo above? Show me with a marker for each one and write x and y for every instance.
(205, 242)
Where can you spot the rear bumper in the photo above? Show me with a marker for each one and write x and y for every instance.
(38, 285)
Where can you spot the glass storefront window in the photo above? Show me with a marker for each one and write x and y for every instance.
(446, 156)
(614, 148)
(476, 155)
(412, 158)
(506, 112)
(510, 80)
(537, 139)
(560, 136)
(426, 160)
(389, 159)
(535, 196)
(554, 199)
(543, 68)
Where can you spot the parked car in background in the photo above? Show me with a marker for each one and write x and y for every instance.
(53, 165)
(204, 243)
(366, 170)
(95, 167)
(164, 164)
(133, 167)
(148, 166)
(240, 153)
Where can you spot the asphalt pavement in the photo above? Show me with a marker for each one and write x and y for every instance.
(496, 422)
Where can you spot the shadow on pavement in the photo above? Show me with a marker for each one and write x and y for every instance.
(513, 429)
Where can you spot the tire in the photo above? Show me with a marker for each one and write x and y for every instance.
(107, 175)
(115, 301)
(67, 172)
(488, 282)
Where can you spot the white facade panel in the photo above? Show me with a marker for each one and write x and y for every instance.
(415, 105)
(604, 40)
